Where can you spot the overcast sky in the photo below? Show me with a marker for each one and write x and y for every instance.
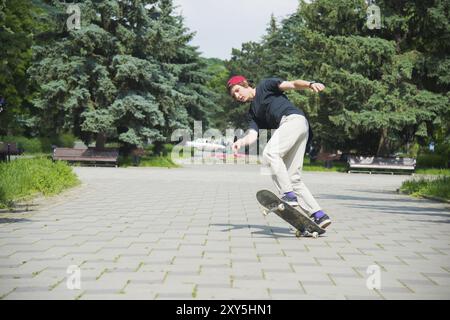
(224, 24)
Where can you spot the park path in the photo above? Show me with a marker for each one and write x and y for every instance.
(197, 233)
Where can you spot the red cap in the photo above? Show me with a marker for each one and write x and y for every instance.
(235, 80)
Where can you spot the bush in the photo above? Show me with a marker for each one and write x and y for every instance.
(22, 178)
(64, 140)
(430, 160)
(148, 161)
(158, 161)
(41, 144)
(46, 144)
(166, 150)
(30, 145)
(67, 140)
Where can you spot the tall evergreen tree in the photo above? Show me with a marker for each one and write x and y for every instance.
(218, 76)
(385, 87)
(128, 74)
(18, 24)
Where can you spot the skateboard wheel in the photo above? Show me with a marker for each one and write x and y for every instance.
(315, 235)
(265, 212)
(298, 234)
(281, 207)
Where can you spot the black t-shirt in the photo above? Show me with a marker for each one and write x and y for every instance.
(269, 105)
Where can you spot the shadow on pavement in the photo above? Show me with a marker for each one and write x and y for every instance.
(359, 198)
(393, 208)
(264, 229)
(16, 211)
(431, 221)
(13, 220)
(435, 212)
(17, 214)
(19, 208)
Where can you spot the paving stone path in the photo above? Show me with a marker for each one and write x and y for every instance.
(197, 233)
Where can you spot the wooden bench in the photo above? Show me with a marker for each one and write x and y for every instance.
(8, 149)
(87, 155)
(379, 164)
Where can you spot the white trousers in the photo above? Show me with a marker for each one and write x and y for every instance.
(284, 155)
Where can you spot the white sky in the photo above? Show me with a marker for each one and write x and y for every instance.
(221, 25)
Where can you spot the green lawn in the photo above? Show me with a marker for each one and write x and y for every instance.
(433, 171)
(320, 166)
(337, 167)
(149, 161)
(24, 178)
(420, 186)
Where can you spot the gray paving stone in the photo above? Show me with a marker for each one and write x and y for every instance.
(205, 243)
(6, 289)
(212, 263)
(267, 284)
(100, 295)
(364, 297)
(233, 294)
(42, 295)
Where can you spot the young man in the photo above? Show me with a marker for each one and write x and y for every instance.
(271, 109)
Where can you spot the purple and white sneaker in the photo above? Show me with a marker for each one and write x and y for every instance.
(290, 198)
(321, 219)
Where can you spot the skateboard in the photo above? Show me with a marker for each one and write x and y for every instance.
(298, 219)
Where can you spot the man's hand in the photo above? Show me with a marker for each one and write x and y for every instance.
(236, 146)
(250, 138)
(317, 87)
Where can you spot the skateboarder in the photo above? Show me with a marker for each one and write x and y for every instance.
(271, 109)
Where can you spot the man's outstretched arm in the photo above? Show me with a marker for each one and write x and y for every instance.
(301, 84)
(250, 138)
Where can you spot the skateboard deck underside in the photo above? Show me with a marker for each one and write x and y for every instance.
(294, 217)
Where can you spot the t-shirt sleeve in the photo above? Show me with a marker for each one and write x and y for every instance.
(271, 84)
(252, 123)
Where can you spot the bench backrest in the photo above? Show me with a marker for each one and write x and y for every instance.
(85, 154)
(381, 162)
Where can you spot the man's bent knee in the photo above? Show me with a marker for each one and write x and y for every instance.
(268, 156)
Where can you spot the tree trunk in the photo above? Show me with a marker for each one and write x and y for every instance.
(158, 147)
(100, 141)
(383, 145)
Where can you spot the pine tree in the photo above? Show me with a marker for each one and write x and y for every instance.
(127, 75)
(218, 76)
(386, 87)
(191, 98)
(17, 23)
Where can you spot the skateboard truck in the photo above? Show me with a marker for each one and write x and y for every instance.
(306, 233)
(266, 211)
